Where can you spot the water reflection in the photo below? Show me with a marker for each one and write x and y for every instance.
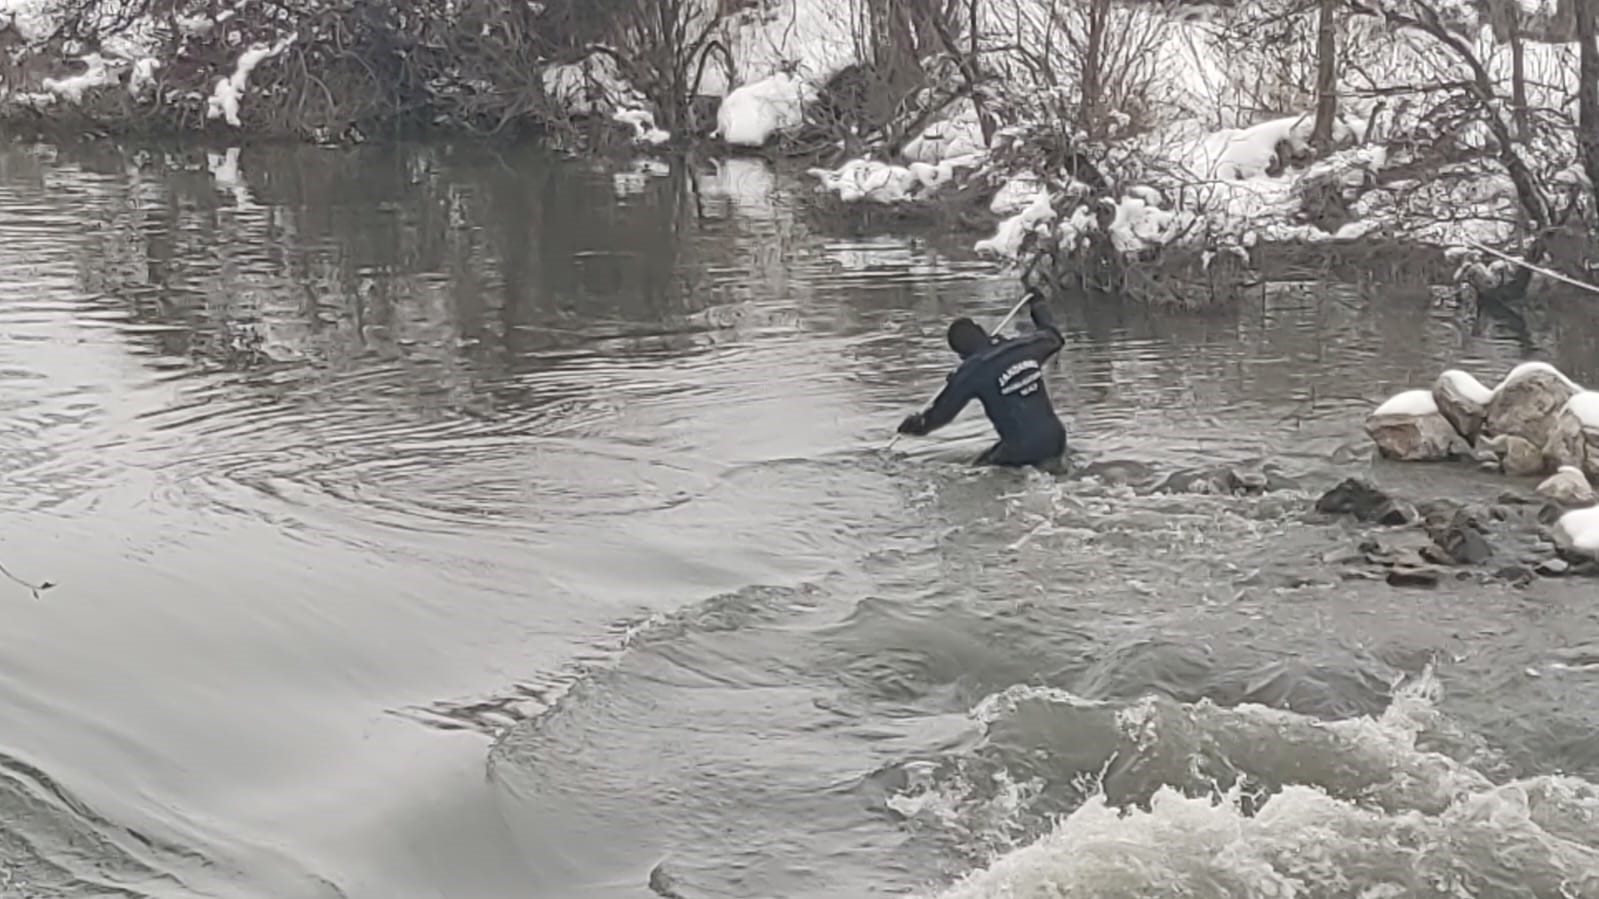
(324, 443)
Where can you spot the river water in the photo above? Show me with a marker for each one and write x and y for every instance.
(451, 522)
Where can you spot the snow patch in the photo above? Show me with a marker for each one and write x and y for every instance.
(1529, 369)
(643, 122)
(1009, 236)
(72, 88)
(224, 102)
(958, 135)
(1467, 386)
(751, 114)
(1585, 406)
(1580, 528)
(1409, 403)
(590, 86)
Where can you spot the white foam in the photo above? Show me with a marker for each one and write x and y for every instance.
(1467, 386)
(1409, 402)
(1366, 813)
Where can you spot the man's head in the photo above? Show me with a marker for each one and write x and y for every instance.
(967, 337)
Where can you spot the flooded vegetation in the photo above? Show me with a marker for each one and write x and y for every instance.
(442, 520)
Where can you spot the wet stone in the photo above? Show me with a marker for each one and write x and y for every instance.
(1415, 576)
(1360, 498)
(1394, 512)
(1554, 568)
(1518, 575)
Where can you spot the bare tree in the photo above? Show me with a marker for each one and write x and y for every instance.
(1588, 95)
(1326, 75)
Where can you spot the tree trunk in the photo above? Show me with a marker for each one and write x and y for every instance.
(1518, 72)
(1091, 111)
(1326, 76)
(1588, 96)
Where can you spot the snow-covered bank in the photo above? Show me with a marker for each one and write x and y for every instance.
(1199, 140)
(1187, 160)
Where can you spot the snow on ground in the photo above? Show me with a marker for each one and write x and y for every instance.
(1200, 98)
(224, 102)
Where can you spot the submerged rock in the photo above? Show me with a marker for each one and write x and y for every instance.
(1410, 428)
(1569, 487)
(1574, 441)
(1366, 502)
(1526, 402)
(1227, 480)
(1415, 575)
(1463, 400)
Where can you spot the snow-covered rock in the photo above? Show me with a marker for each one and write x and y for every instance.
(1409, 428)
(752, 113)
(1463, 400)
(1525, 403)
(1577, 532)
(1574, 440)
(1569, 487)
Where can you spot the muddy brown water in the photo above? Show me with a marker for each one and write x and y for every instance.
(439, 521)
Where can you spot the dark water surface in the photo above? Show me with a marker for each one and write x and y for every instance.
(444, 522)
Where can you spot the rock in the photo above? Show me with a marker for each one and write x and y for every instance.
(1518, 575)
(1487, 457)
(1553, 567)
(1409, 428)
(1568, 487)
(1526, 401)
(1520, 457)
(1457, 534)
(1225, 480)
(1463, 400)
(1577, 533)
(1574, 440)
(1464, 546)
(1354, 496)
(1395, 512)
(1417, 576)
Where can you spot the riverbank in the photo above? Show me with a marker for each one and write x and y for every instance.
(1168, 163)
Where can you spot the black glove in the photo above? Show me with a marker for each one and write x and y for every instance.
(913, 425)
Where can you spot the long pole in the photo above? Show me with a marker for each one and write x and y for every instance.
(1026, 295)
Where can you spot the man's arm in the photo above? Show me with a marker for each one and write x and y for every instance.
(957, 392)
(1046, 341)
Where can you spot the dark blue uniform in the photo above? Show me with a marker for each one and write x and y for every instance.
(1008, 379)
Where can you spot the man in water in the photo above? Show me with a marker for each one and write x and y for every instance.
(1008, 378)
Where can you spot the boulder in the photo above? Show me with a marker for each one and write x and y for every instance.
(1577, 533)
(1568, 487)
(1409, 428)
(1574, 440)
(1463, 400)
(1527, 401)
(1519, 457)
